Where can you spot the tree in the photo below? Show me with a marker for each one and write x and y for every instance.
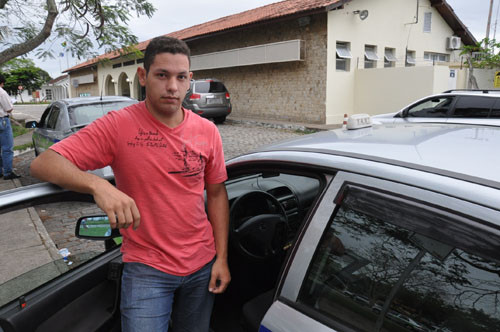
(481, 55)
(76, 24)
(23, 72)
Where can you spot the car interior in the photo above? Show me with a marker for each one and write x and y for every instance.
(267, 210)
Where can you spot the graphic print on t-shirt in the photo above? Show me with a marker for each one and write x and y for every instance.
(148, 139)
(192, 163)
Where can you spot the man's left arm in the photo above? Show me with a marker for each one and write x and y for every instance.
(218, 214)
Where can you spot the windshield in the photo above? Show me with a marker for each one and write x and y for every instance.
(81, 115)
(210, 87)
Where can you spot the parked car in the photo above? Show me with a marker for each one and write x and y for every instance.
(65, 117)
(407, 216)
(453, 106)
(208, 98)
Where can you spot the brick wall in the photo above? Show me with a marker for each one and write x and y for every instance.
(291, 91)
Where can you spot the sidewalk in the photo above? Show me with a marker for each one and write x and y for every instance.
(24, 241)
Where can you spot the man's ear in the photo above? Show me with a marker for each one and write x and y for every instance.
(141, 73)
(190, 75)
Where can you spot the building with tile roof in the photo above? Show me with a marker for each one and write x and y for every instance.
(310, 60)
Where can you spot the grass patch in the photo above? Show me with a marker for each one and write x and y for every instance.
(23, 147)
(18, 130)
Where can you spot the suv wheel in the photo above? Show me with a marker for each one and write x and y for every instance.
(220, 119)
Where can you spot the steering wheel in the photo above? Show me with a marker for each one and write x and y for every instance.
(258, 225)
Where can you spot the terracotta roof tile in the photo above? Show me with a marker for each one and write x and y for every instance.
(261, 14)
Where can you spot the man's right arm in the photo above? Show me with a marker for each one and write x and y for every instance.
(120, 208)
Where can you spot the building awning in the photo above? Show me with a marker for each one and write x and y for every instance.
(371, 55)
(410, 59)
(343, 52)
(389, 56)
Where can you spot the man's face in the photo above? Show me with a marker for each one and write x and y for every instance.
(166, 83)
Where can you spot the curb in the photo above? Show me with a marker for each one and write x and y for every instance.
(20, 152)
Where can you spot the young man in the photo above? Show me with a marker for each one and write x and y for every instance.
(6, 137)
(163, 158)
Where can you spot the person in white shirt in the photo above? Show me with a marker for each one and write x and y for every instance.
(6, 136)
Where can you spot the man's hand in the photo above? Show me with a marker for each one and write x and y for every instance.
(120, 208)
(220, 277)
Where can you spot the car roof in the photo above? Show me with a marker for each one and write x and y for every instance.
(92, 100)
(461, 151)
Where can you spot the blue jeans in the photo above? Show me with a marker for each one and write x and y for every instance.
(6, 146)
(149, 298)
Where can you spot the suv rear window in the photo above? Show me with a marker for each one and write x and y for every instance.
(209, 87)
(473, 107)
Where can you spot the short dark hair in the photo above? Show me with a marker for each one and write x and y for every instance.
(2, 78)
(164, 44)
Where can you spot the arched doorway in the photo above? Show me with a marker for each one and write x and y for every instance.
(140, 91)
(110, 86)
(124, 85)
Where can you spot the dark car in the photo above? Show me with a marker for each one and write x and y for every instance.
(65, 117)
(454, 106)
(403, 218)
(208, 98)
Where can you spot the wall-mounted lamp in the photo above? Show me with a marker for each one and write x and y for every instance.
(363, 14)
(127, 80)
(112, 80)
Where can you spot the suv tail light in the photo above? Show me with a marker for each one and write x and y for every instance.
(227, 95)
(195, 96)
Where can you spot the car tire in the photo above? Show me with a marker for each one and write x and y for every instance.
(220, 119)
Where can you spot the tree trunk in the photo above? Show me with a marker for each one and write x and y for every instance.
(472, 82)
(30, 45)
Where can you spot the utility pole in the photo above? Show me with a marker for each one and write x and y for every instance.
(489, 20)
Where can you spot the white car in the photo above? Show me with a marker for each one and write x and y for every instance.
(455, 106)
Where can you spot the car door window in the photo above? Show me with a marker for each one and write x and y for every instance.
(53, 118)
(390, 264)
(48, 229)
(43, 119)
(473, 107)
(495, 111)
(431, 108)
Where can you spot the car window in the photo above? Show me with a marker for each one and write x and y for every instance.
(43, 119)
(473, 107)
(53, 117)
(81, 115)
(388, 264)
(49, 230)
(209, 87)
(431, 108)
(495, 111)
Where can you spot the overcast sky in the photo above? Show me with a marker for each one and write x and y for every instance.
(171, 16)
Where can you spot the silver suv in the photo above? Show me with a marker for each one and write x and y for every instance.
(208, 98)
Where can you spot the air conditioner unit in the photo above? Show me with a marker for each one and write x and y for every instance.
(453, 43)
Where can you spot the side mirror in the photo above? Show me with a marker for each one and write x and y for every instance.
(31, 124)
(95, 228)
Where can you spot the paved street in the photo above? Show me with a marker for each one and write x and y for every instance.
(59, 219)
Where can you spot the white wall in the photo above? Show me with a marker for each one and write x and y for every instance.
(387, 25)
(375, 89)
(486, 78)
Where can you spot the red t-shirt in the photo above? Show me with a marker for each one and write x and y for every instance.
(164, 170)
